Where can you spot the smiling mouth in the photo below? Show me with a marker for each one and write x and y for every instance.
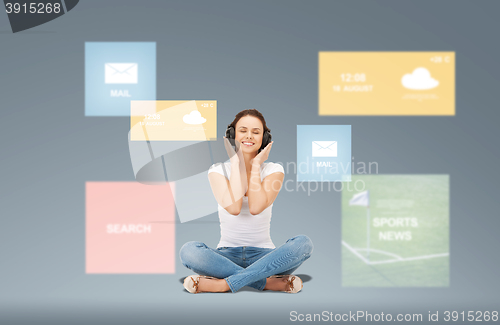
(248, 144)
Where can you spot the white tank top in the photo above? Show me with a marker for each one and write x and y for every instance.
(246, 229)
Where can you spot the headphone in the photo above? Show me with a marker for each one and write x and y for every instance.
(266, 139)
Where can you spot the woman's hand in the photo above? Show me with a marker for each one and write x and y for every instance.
(234, 156)
(262, 192)
(263, 155)
(229, 192)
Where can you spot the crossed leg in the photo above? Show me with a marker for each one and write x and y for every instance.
(204, 260)
(282, 260)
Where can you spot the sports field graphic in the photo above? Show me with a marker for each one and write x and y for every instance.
(395, 231)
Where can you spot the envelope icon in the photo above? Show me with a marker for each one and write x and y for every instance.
(324, 148)
(120, 73)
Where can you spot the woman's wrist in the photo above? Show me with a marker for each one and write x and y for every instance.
(256, 164)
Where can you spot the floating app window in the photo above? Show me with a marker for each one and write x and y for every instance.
(395, 231)
(130, 228)
(387, 83)
(323, 153)
(173, 120)
(116, 73)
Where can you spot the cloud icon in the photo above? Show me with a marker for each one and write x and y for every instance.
(194, 118)
(419, 79)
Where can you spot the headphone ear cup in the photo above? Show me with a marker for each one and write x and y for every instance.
(230, 132)
(266, 139)
(230, 135)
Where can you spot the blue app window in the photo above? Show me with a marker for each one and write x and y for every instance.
(116, 73)
(323, 153)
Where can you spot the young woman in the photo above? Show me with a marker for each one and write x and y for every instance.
(245, 189)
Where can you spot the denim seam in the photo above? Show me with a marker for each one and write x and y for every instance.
(229, 284)
(263, 286)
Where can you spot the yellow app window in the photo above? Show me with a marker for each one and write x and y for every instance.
(387, 83)
(173, 120)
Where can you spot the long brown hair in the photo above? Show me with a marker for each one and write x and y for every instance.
(252, 112)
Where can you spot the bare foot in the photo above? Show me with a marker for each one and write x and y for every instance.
(278, 284)
(213, 285)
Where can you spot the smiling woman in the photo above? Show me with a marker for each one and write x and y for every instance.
(245, 189)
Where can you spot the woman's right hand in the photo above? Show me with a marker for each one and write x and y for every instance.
(235, 156)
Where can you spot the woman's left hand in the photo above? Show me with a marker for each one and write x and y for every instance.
(263, 155)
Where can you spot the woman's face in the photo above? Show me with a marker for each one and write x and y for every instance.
(249, 132)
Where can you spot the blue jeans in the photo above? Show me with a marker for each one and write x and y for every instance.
(246, 266)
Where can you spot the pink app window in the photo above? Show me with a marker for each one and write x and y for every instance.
(130, 228)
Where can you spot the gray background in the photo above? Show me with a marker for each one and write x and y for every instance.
(260, 54)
